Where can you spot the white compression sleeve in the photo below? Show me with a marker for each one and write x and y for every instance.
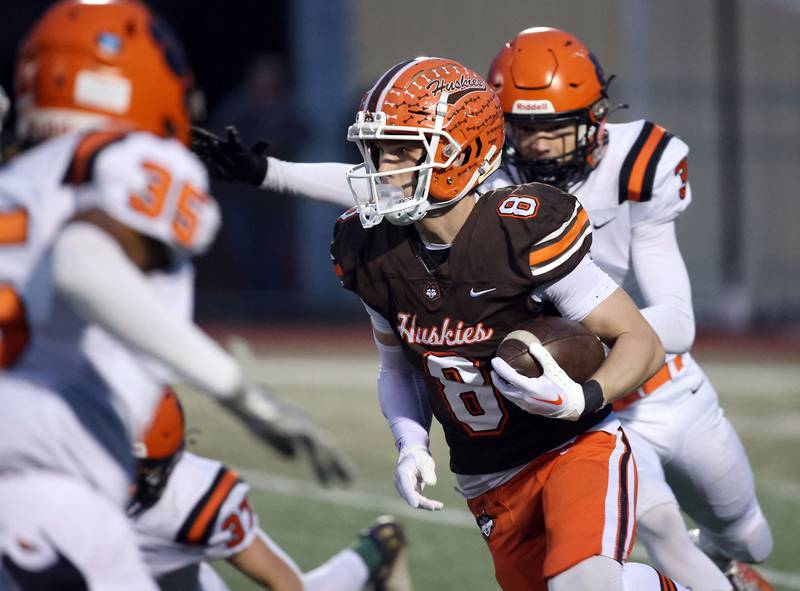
(93, 273)
(664, 284)
(320, 181)
(580, 291)
(403, 398)
(401, 389)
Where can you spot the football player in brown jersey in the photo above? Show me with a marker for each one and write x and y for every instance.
(546, 469)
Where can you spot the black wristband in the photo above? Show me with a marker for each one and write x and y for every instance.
(592, 396)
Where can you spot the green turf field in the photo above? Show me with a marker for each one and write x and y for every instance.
(447, 552)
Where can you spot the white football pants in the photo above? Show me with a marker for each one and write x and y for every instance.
(704, 463)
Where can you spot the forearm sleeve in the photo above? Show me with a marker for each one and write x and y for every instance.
(401, 389)
(403, 398)
(323, 181)
(92, 272)
(664, 285)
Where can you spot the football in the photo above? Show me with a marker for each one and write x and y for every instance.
(577, 351)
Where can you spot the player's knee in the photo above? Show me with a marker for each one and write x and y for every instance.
(598, 573)
(749, 539)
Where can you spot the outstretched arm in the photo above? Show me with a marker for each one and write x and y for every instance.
(228, 159)
(98, 266)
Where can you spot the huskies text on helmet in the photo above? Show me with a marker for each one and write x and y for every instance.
(446, 108)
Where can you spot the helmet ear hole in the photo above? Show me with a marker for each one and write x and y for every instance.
(467, 154)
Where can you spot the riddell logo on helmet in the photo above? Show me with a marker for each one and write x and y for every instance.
(541, 106)
(463, 83)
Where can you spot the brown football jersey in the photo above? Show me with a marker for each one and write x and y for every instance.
(450, 318)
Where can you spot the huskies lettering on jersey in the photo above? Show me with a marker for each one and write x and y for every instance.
(445, 334)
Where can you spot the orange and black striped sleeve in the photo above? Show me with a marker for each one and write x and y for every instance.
(81, 166)
(199, 524)
(637, 176)
(560, 251)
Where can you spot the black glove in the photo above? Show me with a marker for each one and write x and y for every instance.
(287, 429)
(228, 159)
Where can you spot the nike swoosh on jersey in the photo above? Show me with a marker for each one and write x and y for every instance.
(557, 402)
(476, 294)
(603, 223)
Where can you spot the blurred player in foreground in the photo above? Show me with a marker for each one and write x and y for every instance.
(100, 215)
(188, 510)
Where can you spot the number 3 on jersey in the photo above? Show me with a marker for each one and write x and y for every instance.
(151, 204)
(468, 393)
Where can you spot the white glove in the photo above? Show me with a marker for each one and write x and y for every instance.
(554, 394)
(415, 469)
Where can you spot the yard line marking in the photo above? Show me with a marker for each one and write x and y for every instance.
(381, 503)
(353, 498)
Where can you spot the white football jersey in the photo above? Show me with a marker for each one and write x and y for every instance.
(203, 514)
(153, 185)
(641, 179)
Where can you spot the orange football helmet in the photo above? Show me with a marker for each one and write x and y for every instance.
(548, 76)
(87, 63)
(157, 451)
(449, 110)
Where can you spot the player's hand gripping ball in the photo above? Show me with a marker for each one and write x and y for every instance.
(542, 366)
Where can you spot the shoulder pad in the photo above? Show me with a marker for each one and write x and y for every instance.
(638, 172)
(81, 166)
(199, 524)
(153, 185)
(548, 230)
(348, 240)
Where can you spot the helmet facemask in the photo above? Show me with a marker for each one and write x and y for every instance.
(569, 168)
(386, 200)
(152, 476)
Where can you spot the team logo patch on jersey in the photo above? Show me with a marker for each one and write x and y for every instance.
(432, 291)
(486, 523)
